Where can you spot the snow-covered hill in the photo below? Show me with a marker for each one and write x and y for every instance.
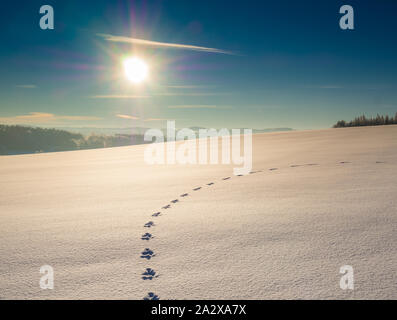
(329, 201)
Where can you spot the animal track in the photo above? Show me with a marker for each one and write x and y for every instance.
(149, 274)
(149, 224)
(147, 236)
(151, 296)
(147, 254)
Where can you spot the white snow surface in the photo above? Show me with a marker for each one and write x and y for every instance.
(274, 234)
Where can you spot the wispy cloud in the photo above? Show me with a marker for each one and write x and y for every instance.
(161, 94)
(330, 87)
(156, 44)
(199, 107)
(158, 119)
(327, 86)
(189, 87)
(77, 118)
(125, 116)
(119, 96)
(192, 94)
(26, 86)
(41, 117)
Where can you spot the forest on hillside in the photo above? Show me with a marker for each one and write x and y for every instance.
(364, 121)
(17, 139)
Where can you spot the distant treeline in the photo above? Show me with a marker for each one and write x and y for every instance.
(21, 139)
(364, 121)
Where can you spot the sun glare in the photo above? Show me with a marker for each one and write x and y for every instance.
(136, 70)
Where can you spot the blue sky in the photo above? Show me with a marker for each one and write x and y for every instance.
(292, 66)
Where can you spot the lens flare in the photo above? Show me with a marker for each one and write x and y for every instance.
(136, 70)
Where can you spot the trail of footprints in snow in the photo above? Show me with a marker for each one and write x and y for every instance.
(147, 236)
(149, 274)
(148, 254)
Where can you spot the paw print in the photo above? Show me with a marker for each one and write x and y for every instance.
(149, 224)
(147, 254)
(149, 274)
(147, 236)
(151, 296)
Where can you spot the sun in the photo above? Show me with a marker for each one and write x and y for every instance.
(135, 69)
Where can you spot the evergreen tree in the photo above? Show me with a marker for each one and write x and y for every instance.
(364, 121)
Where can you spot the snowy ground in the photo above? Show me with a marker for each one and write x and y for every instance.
(273, 234)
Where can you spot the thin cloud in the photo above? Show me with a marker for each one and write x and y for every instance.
(330, 87)
(189, 87)
(125, 116)
(26, 86)
(42, 117)
(77, 118)
(192, 94)
(325, 87)
(158, 119)
(118, 96)
(163, 94)
(156, 44)
(193, 107)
